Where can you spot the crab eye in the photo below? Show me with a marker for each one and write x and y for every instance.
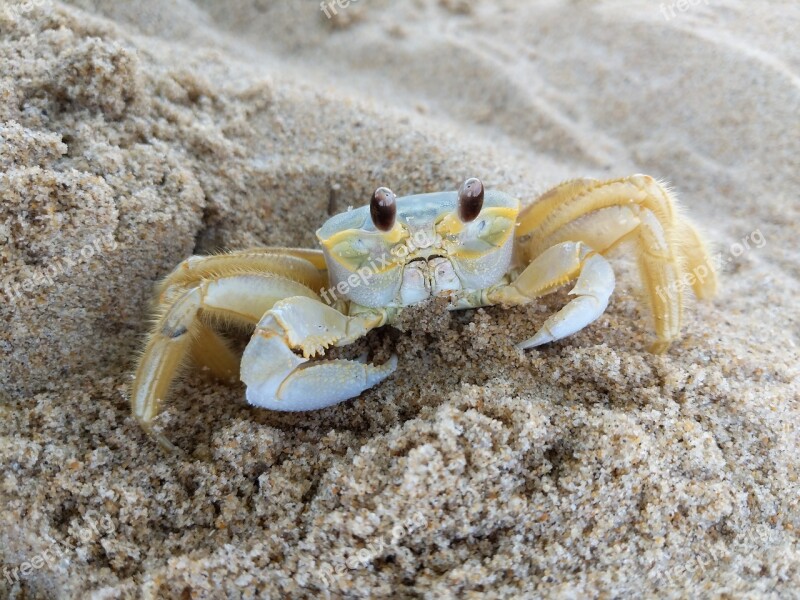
(470, 199)
(383, 209)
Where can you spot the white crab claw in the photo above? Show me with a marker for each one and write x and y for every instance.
(593, 289)
(279, 379)
(319, 384)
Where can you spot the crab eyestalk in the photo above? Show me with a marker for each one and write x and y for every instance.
(470, 199)
(383, 209)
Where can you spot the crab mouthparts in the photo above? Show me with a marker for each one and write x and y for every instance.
(426, 277)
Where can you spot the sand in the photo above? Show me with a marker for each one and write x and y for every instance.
(135, 134)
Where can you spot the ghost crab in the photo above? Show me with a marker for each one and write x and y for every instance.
(473, 246)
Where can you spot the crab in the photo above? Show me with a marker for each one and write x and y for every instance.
(472, 246)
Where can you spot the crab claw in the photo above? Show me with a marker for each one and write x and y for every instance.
(279, 379)
(552, 268)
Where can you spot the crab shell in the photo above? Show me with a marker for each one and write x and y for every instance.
(428, 252)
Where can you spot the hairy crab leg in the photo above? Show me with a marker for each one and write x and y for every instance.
(698, 261)
(669, 249)
(573, 199)
(279, 379)
(601, 230)
(659, 267)
(294, 263)
(549, 271)
(211, 351)
(239, 298)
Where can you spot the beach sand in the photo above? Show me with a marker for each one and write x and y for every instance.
(135, 134)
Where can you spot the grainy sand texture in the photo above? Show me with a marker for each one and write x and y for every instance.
(133, 134)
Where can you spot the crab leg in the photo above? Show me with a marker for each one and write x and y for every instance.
(279, 379)
(698, 261)
(305, 266)
(240, 298)
(605, 213)
(552, 269)
(211, 351)
(573, 199)
(658, 265)
(601, 230)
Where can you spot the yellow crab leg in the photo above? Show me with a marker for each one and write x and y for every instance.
(604, 213)
(240, 298)
(698, 261)
(305, 266)
(211, 351)
(601, 230)
(573, 199)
